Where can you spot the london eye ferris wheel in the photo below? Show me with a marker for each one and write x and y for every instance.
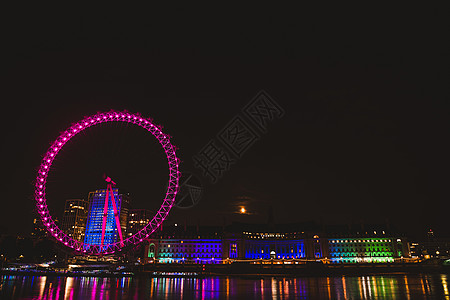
(161, 214)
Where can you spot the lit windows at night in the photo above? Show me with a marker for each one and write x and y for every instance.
(284, 249)
(233, 250)
(361, 250)
(74, 218)
(95, 219)
(243, 246)
(266, 235)
(194, 251)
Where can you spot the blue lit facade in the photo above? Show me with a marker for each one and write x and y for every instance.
(220, 250)
(276, 249)
(94, 224)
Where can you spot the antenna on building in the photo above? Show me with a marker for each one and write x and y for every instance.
(109, 192)
(108, 179)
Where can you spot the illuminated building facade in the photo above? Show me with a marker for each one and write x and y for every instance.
(270, 245)
(186, 250)
(137, 219)
(74, 218)
(363, 249)
(190, 246)
(94, 225)
(415, 249)
(274, 249)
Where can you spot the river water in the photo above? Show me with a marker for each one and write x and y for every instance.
(391, 286)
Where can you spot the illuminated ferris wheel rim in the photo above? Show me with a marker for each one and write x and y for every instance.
(57, 145)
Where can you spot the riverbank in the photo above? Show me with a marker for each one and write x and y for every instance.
(241, 269)
(66, 274)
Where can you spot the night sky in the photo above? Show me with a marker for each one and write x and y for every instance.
(364, 136)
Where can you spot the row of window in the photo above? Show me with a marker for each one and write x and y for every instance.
(278, 248)
(376, 254)
(360, 241)
(169, 250)
(363, 259)
(256, 251)
(267, 256)
(181, 255)
(384, 245)
(361, 249)
(191, 246)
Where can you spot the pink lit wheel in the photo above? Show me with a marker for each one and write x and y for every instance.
(168, 202)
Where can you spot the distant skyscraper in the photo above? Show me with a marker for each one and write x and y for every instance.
(94, 225)
(124, 211)
(74, 218)
(137, 219)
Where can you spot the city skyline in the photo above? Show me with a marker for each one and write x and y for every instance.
(175, 243)
(250, 151)
(363, 135)
(79, 213)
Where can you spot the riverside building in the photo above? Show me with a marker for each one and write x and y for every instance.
(285, 244)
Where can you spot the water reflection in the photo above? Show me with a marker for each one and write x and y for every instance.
(398, 286)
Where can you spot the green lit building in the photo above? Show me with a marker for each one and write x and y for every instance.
(366, 249)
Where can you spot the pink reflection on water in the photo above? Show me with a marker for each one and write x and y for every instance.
(94, 288)
(102, 288)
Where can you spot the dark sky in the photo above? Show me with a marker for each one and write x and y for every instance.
(364, 135)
